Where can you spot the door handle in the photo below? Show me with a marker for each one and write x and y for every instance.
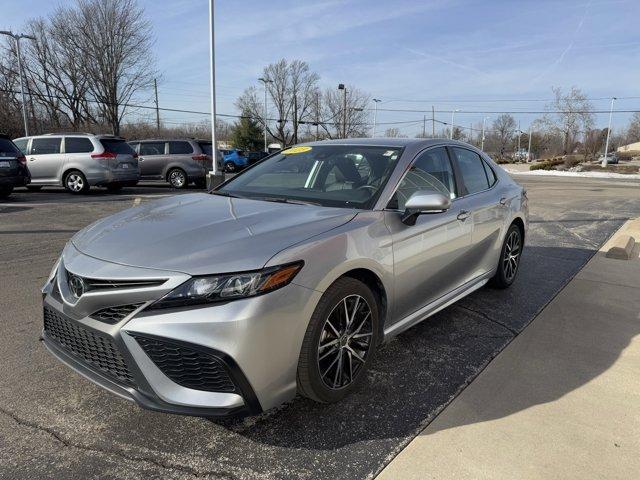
(31, 159)
(503, 201)
(463, 215)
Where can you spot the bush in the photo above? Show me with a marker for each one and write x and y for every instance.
(547, 164)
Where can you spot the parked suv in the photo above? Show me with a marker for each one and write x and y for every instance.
(234, 160)
(79, 160)
(178, 161)
(13, 167)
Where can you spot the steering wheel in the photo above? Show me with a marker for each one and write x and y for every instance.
(367, 186)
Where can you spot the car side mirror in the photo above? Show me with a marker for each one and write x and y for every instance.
(422, 202)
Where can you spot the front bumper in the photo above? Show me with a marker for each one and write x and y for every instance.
(257, 341)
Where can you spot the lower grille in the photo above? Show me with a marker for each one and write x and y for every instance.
(113, 315)
(188, 367)
(96, 350)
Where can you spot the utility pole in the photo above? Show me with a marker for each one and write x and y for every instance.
(606, 145)
(318, 115)
(519, 135)
(433, 121)
(264, 119)
(424, 126)
(375, 114)
(482, 140)
(344, 109)
(529, 149)
(217, 176)
(453, 112)
(17, 38)
(295, 116)
(155, 88)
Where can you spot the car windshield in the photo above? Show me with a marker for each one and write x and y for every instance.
(348, 176)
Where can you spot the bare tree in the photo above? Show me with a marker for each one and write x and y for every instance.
(114, 39)
(333, 112)
(569, 115)
(503, 129)
(633, 132)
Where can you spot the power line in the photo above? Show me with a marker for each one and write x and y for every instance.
(534, 112)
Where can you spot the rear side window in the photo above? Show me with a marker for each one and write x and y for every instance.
(152, 148)
(8, 149)
(491, 175)
(116, 146)
(207, 148)
(21, 144)
(472, 170)
(77, 145)
(180, 148)
(45, 145)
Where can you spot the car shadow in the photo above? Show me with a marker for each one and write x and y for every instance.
(419, 372)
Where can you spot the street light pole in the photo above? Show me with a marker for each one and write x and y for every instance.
(453, 112)
(218, 177)
(265, 81)
(17, 38)
(482, 140)
(529, 149)
(375, 115)
(344, 109)
(606, 145)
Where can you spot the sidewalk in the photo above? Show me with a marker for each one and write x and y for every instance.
(561, 401)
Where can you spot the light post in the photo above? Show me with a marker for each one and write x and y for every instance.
(265, 81)
(17, 38)
(529, 149)
(215, 176)
(453, 112)
(344, 109)
(606, 145)
(376, 101)
(482, 140)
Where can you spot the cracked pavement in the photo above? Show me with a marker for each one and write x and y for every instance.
(55, 424)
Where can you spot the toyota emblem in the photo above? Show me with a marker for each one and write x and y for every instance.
(76, 285)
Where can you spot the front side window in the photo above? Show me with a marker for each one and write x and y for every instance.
(45, 145)
(349, 176)
(152, 148)
(77, 145)
(430, 172)
(472, 170)
(180, 148)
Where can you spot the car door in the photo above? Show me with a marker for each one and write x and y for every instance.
(46, 160)
(486, 207)
(152, 159)
(429, 257)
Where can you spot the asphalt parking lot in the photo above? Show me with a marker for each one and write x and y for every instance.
(55, 424)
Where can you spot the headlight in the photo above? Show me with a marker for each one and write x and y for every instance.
(226, 287)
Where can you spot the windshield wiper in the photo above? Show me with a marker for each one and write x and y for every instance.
(224, 194)
(286, 200)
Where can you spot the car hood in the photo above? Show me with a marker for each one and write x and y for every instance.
(203, 234)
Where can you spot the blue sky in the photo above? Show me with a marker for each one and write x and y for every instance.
(454, 54)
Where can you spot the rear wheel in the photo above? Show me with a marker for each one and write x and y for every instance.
(76, 182)
(177, 178)
(509, 258)
(5, 191)
(340, 342)
(230, 167)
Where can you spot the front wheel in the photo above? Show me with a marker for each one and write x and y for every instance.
(509, 258)
(340, 342)
(230, 167)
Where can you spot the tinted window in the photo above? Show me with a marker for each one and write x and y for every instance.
(77, 145)
(349, 176)
(491, 175)
(431, 172)
(134, 145)
(8, 149)
(152, 148)
(207, 148)
(21, 144)
(45, 145)
(471, 169)
(117, 147)
(180, 147)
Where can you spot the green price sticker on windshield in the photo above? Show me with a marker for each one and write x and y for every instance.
(296, 150)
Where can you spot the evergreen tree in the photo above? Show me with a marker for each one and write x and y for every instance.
(247, 134)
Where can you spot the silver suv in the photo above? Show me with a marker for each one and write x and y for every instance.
(79, 160)
(178, 161)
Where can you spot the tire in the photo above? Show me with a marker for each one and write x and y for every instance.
(5, 192)
(317, 376)
(509, 262)
(34, 188)
(230, 167)
(75, 182)
(114, 188)
(177, 178)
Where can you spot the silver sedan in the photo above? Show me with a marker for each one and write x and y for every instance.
(287, 278)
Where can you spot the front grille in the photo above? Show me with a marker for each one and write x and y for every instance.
(94, 349)
(113, 315)
(186, 366)
(92, 284)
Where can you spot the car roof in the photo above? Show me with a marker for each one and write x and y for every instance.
(388, 142)
(169, 139)
(75, 134)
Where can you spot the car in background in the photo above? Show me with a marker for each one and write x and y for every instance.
(179, 161)
(255, 157)
(13, 167)
(612, 158)
(234, 160)
(79, 161)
